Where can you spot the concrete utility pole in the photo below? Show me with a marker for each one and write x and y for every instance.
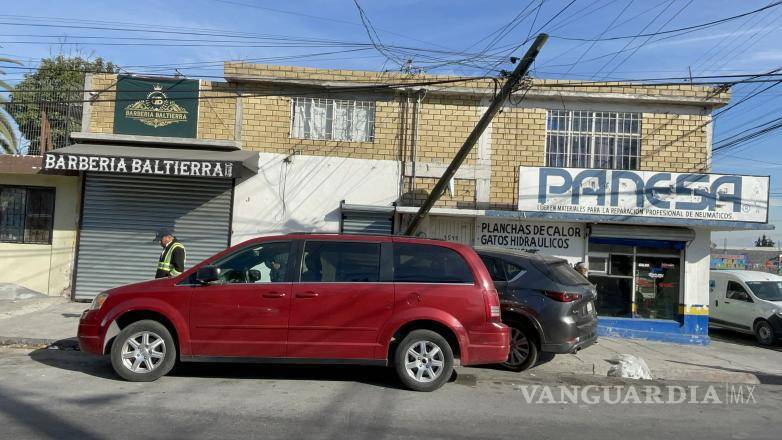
(476, 133)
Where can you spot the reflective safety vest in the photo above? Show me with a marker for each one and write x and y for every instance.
(165, 261)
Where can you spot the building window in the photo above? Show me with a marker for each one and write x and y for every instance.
(332, 119)
(26, 214)
(585, 139)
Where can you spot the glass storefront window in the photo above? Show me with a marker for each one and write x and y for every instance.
(612, 295)
(639, 281)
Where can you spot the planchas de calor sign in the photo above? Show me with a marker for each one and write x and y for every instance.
(623, 193)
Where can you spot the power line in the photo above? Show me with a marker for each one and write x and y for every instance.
(659, 14)
(686, 28)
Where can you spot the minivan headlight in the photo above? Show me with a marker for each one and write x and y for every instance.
(98, 301)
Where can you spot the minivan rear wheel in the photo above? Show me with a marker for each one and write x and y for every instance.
(143, 351)
(423, 360)
(523, 350)
(764, 333)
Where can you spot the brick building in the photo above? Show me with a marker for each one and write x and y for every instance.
(614, 174)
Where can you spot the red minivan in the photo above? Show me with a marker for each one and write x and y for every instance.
(309, 298)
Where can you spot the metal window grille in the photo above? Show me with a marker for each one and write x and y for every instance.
(60, 105)
(587, 139)
(26, 214)
(332, 119)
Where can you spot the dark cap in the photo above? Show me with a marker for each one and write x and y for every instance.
(162, 232)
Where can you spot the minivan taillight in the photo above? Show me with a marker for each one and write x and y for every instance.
(564, 297)
(492, 300)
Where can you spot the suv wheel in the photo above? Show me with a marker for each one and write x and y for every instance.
(764, 333)
(523, 350)
(423, 360)
(143, 351)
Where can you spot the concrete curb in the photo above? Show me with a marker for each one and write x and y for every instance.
(710, 375)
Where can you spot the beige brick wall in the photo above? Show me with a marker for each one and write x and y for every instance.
(266, 71)
(676, 143)
(518, 138)
(670, 142)
(267, 122)
(418, 189)
(102, 110)
(444, 124)
(216, 111)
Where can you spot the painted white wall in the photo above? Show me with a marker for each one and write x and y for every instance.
(697, 257)
(302, 193)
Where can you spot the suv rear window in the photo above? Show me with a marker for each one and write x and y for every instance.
(560, 272)
(418, 263)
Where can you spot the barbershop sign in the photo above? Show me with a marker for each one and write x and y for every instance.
(621, 193)
(564, 240)
(156, 107)
(136, 165)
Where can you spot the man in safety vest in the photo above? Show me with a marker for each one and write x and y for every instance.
(172, 259)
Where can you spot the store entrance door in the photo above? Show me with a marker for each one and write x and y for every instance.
(657, 286)
(636, 278)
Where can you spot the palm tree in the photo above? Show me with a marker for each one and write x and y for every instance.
(8, 142)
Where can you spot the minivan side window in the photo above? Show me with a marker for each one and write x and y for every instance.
(259, 263)
(418, 263)
(340, 262)
(736, 291)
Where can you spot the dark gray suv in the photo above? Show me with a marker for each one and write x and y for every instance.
(546, 303)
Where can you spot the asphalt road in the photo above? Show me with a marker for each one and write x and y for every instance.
(66, 394)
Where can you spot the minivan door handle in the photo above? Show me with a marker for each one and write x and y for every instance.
(273, 295)
(306, 295)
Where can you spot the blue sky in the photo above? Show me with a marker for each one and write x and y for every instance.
(450, 27)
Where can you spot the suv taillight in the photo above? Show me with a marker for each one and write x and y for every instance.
(564, 297)
(492, 300)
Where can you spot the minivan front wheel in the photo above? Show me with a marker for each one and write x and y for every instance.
(423, 360)
(764, 333)
(143, 351)
(523, 350)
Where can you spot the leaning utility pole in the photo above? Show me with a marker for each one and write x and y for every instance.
(476, 133)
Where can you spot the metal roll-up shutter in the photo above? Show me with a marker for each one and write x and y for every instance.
(642, 232)
(375, 220)
(122, 213)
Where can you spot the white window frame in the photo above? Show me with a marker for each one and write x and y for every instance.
(618, 159)
(329, 131)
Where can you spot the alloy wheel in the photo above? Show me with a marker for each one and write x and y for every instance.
(424, 361)
(519, 347)
(143, 352)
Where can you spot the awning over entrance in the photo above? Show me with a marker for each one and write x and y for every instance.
(154, 161)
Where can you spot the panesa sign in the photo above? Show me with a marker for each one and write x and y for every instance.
(693, 196)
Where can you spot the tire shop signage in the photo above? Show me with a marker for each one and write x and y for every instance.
(557, 239)
(137, 165)
(622, 193)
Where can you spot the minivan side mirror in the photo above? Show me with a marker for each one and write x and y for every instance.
(207, 274)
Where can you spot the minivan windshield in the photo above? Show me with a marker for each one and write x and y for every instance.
(560, 272)
(767, 290)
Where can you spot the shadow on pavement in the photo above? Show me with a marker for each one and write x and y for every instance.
(68, 358)
(763, 378)
(734, 337)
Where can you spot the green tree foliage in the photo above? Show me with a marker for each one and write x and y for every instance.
(8, 142)
(56, 88)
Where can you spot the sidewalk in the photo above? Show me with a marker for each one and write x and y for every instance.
(39, 321)
(729, 358)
